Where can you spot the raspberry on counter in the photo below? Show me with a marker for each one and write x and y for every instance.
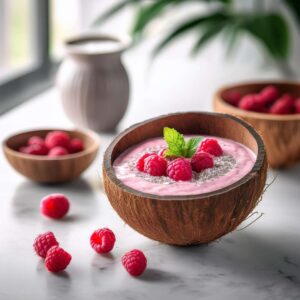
(102, 240)
(135, 262)
(55, 206)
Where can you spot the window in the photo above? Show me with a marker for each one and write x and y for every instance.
(15, 28)
(31, 36)
(63, 25)
(24, 41)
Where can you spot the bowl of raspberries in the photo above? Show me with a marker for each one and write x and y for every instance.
(273, 108)
(51, 155)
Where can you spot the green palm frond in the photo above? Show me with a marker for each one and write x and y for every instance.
(149, 12)
(270, 30)
(294, 6)
(187, 26)
(210, 31)
(114, 10)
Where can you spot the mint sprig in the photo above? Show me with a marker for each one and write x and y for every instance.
(177, 146)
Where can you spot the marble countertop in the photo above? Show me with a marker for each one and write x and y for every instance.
(259, 262)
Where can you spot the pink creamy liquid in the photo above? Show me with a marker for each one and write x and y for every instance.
(237, 160)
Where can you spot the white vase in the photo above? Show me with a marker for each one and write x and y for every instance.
(93, 82)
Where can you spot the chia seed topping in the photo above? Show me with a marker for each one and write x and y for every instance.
(222, 165)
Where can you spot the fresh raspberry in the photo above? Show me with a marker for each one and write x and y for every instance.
(141, 162)
(161, 152)
(251, 102)
(135, 262)
(76, 145)
(297, 106)
(155, 165)
(58, 151)
(180, 169)
(232, 97)
(23, 149)
(43, 242)
(34, 149)
(284, 105)
(211, 146)
(54, 206)
(57, 138)
(201, 161)
(102, 240)
(269, 94)
(36, 140)
(57, 259)
(288, 97)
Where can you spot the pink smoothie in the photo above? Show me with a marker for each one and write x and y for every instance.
(237, 160)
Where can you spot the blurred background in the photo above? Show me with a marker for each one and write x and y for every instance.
(239, 40)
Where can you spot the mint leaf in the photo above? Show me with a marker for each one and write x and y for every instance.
(177, 146)
(169, 153)
(175, 142)
(191, 146)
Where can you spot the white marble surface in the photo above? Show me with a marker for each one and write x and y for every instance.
(261, 262)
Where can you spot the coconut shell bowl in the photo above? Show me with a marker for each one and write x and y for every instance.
(281, 133)
(50, 169)
(187, 219)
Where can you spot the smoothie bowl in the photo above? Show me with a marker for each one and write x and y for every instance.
(185, 178)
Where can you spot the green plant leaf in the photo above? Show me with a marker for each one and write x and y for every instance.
(177, 146)
(271, 30)
(191, 146)
(189, 25)
(149, 12)
(232, 32)
(175, 142)
(294, 6)
(209, 32)
(113, 10)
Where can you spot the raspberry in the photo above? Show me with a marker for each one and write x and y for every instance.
(23, 149)
(34, 149)
(180, 169)
(161, 152)
(211, 146)
(134, 262)
(58, 151)
(284, 105)
(155, 165)
(35, 140)
(141, 162)
(297, 106)
(102, 240)
(232, 97)
(54, 206)
(57, 259)
(269, 94)
(57, 138)
(201, 161)
(76, 145)
(288, 97)
(251, 102)
(43, 242)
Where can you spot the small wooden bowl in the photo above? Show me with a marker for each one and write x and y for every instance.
(281, 133)
(190, 219)
(50, 169)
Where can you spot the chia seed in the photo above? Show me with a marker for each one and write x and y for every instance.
(222, 165)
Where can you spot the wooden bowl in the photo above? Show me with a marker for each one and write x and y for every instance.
(281, 133)
(190, 219)
(50, 169)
